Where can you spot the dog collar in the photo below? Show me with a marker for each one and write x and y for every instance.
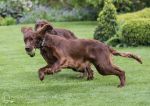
(43, 42)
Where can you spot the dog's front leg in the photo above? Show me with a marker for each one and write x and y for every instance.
(56, 67)
(42, 71)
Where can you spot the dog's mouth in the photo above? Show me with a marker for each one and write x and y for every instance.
(32, 53)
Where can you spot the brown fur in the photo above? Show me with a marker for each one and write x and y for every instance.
(32, 42)
(83, 51)
(55, 31)
(63, 33)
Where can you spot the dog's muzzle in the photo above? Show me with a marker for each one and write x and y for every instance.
(32, 53)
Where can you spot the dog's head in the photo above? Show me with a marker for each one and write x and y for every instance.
(40, 23)
(29, 40)
(33, 39)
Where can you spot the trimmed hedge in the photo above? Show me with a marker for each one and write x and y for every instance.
(136, 32)
(145, 13)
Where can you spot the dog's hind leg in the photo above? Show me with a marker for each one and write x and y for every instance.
(112, 70)
(89, 73)
(121, 76)
(103, 64)
(86, 72)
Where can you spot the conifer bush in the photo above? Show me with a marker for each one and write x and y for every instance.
(106, 22)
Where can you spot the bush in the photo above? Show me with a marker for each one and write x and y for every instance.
(14, 8)
(132, 30)
(7, 21)
(106, 22)
(136, 32)
(145, 13)
(123, 5)
(37, 13)
(52, 14)
(117, 40)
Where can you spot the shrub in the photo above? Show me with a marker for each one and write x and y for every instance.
(117, 40)
(39, 12)
(123, 5)
(136, 32)
(14, 8)
(52, 14)
(7, 21)
(106, 22)
(113, 41)
(132, 30)
(145, 13)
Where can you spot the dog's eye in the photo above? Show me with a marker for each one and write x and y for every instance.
(25, 40)
(30, 38)
(42, 25)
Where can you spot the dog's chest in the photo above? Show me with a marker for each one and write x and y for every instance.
(47, 54)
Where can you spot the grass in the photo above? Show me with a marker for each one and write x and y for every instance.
(20, 86)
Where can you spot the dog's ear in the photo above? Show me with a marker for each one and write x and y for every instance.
(50, 27)
(42, 30)
(41, 23)
(24, 29)
(47, 27)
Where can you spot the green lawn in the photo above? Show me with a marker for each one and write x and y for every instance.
(19, 83)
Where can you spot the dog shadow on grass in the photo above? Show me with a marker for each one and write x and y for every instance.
(66, 76)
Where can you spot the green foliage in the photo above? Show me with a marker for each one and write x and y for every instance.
(130, 5)
(139, 4)
(123, 5)
(133, 29)
(117, 40)
(51, 14)
(145, 13)
(7, 21)
(113, 41)
(137, 32)
(14, 8)
(106, 22)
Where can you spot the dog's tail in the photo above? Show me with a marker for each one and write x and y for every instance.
(127, 55)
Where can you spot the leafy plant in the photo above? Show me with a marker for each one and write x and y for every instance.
(136, 32)
(106, 22)
(14, 8)
(52, 14)
(145, 13)
(7, 21)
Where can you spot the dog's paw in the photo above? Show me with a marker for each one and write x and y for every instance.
(80, 75)
(41, 75)
(49, 71)
(90, 78)
(120, 86)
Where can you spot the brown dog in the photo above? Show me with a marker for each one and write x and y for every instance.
(32, 42)
(83, 51)
(55, 31)
(59, 32)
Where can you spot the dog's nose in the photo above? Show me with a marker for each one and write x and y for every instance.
(28, 49)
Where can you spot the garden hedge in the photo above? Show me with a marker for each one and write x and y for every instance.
(145, 13)
(136, 32)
